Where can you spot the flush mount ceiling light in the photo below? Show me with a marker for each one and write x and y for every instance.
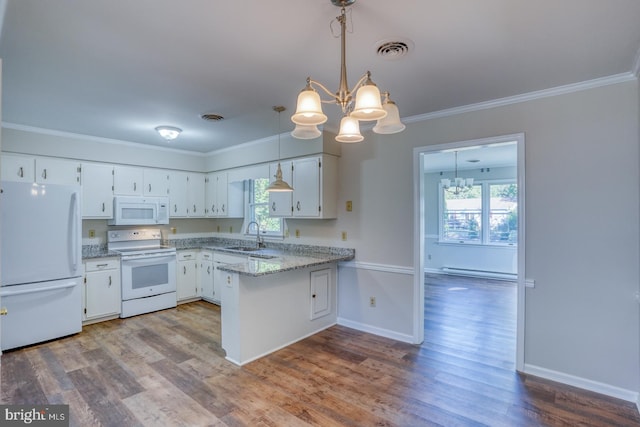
(168, 132)
(367, 100)
(279, 184)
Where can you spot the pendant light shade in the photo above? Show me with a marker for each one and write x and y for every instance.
(349, 130)
(306, 132)
(391, 123)
(279, 184)
(309, 108)
(368, 106)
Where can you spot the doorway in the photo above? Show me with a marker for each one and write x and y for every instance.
(461, 225)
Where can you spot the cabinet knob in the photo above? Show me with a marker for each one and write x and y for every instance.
(149, 188)
(134, 186)
(273, 206)
(21, 172)
(103, 207)
(298, 205)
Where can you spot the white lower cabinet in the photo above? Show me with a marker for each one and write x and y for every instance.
(207, 270)
(101, 289)
(321, 281)
(187, 272)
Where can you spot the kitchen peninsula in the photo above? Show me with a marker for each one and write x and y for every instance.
(270, 297)
(276, 298)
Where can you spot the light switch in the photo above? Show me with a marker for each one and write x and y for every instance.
(349, 206)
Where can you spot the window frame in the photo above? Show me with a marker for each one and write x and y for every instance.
(250, 216)
(484, 214)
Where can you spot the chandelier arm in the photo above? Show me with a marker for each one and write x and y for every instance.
(325, 90)
(363, 79)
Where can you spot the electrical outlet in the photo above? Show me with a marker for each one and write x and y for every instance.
(349, 205)
(286, 233)
(344, 235)
(230, 229)
(174, 230)
(218, 229)
(297, 232)
(372, 301)
(92, 233)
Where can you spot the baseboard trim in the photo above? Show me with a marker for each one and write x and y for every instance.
(583, 383)
(375, 331)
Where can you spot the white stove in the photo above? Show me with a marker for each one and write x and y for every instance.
(148, 270)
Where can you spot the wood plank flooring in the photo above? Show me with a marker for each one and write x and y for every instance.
(167, 369)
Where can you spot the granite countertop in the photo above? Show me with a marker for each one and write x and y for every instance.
(275, 258)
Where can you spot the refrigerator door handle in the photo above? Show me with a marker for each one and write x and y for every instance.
(32, 291)
(73, 237)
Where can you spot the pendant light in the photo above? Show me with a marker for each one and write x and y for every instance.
(279, 184)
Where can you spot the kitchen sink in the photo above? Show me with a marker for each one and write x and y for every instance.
(243, 248)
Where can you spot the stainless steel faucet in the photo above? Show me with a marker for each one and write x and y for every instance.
(257, 232)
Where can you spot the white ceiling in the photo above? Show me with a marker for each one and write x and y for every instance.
(119, 68)
(504, 154)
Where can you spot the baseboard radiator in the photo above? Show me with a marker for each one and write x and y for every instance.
(479, 273)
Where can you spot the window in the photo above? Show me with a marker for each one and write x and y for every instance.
(485, 214)
(259, 209)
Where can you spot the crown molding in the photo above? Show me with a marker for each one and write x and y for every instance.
(530, 96)
(99, 139)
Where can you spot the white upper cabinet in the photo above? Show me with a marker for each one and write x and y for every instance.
(57, 171)
(195, 194)
(178, 194)
(186, 194)
(97, 190)
(314, 181)
(281, 202)
(127, 181)
(156, 182)
(223, 199)
(18, 168)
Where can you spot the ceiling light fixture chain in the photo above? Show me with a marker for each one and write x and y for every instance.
(368, 105)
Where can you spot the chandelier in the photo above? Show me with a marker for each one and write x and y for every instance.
(368, 105)
(460, 185)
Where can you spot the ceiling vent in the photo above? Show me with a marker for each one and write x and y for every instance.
(393, 49)
(212, 117)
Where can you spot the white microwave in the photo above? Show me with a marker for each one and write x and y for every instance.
(140, 210)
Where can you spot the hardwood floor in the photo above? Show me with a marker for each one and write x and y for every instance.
(167, 369)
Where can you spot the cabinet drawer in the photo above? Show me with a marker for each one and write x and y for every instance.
(187, 255)
(102, 264)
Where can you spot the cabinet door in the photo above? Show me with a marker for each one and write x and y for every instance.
(127, 181)
(280, 203)
(195, 195)
(178, 194)
(57, 171)
(102, 293)
(155, 182)
(187, 283)
(17, 168)
(306, 181)
(210, 193)
(206, 276)
(222, 202)
(97, 190)
(320, 293)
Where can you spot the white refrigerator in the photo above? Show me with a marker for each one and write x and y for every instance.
(41, 262)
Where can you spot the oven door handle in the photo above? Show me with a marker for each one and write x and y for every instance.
(139, 259)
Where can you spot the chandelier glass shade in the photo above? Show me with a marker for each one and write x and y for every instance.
(391, 122)
(368, 106)
(306, 132)
(458, 185)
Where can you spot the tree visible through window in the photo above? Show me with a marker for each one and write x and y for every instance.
(259, 209)
(485, 214)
